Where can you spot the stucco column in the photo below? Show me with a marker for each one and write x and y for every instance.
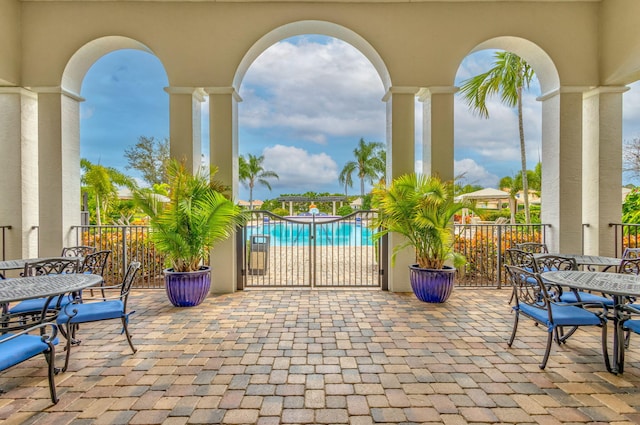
(223, 146)
(401, 159)
(59, 167)
(19, 185)
(602, 169)
(562, 168)
(437, 135)
(185, 125)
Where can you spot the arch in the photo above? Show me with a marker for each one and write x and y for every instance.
(539, 60)
(87, 55)
(312, 27)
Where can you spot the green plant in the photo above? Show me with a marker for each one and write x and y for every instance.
(420, 208)
(196, 218)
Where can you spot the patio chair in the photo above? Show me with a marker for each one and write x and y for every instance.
(631, 253)
(533, 247)
(534, 301)
(78, 251)
(20, 342)
(111, 306)
(46, 266)
(631, 265)
(521, 258)
(95, 264)
(551, 262)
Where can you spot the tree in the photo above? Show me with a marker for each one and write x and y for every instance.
(251, 172)
(631, 156)
(101, 183)
(509, 76)
(514, 185)
(150, 157)
(369, 165)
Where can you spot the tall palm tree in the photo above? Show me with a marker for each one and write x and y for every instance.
(369, 164)
(509, 76)
(251, 172)
(101, 183)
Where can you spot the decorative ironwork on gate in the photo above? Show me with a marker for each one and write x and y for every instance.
(310, 251)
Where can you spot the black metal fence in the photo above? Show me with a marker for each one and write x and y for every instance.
(483, 245)
(310, 251)
(127, 243)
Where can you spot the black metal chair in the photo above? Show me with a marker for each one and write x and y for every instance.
(521, 258)
(78, 251)
(95, 264)
(21, 341)
(551, 262)
(631, 253)
(56, 265)
(533, 247)
(631, 265)
(535, 301)
(112, 306)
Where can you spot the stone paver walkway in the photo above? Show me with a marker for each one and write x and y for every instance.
(326, 357)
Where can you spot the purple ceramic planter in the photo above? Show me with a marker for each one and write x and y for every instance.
(431, 285)
(187, 289)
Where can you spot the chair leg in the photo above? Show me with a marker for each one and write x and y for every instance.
(605, 350)
(515, 328)
(126, 332)
(70, 333)
(548, 350)
(50, 357)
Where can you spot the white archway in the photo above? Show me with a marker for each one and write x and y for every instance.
(312, 27)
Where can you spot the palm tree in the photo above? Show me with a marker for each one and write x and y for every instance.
(509, 75)
(251, 172)
(101, 183)
(370, 163)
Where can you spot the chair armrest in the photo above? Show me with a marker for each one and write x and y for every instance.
(46, 337)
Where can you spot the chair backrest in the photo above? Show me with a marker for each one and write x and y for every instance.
(629, 266)
(522, 259)
(631, 253)
(528, 288)
(77, 251)
(95, 263)
(55, 265)
(550, 262)
(129, 277)
(533, 247)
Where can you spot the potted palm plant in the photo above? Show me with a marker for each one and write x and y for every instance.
(421, 208)
(196, 217)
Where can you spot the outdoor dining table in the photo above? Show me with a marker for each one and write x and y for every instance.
(619, 286)
(23, 288)
(589, 261)
(19, 263)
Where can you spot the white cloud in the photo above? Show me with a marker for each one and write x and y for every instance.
(474, 173)
(314, 91)
(298, 169)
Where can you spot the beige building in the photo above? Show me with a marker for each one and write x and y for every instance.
(584, 52)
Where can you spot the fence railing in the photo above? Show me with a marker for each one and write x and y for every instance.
(484, 245)
(3, 235)
(625, 236)
(127, 243)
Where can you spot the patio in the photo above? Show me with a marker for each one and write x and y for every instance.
(325, 356)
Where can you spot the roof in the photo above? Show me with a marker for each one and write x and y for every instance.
(488, 193)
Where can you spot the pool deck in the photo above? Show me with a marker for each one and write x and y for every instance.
(336, 357)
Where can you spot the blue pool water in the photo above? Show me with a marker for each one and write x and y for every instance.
(327, 234)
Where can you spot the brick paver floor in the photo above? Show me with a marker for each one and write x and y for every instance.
(326, 357)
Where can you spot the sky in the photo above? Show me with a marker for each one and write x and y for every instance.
(307, 101)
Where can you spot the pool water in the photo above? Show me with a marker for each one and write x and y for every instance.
(327, 234)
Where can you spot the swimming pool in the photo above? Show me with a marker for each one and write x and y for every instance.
(327, 234)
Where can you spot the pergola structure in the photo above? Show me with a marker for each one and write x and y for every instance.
(584, 52)
(290, 200)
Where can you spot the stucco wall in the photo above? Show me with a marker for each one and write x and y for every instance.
(202, 43)
(620, 41)
(9, 43)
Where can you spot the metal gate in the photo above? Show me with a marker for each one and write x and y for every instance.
(310, 251)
